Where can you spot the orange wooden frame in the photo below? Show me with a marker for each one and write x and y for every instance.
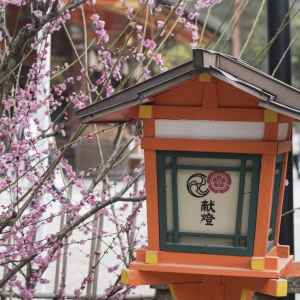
(215, 146)
(264, 197)
(202, 113)
(264, 205)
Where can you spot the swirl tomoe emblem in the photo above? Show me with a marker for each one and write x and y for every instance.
(219, 181)
(195, 185)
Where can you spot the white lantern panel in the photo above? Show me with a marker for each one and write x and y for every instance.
(213, 213)
(205, 205)
(209, 130)
(283, 132)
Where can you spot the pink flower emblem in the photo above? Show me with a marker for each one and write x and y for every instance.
(219, 181)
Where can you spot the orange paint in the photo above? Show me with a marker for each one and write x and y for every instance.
(232, 292)
(188, 94)
(292, 270)
(148, 128)
(272, 262)
(140, 255)
(283, 251)
(285, 146)
(205, 270)
(284, 119)
(152, 199)
(249, 295)
(229, 96)
(264, 205)
(211, 288)
(260, 285)
(201, 113)
(204, 259)
(210, 146)
(284, 264)
(133, 112)
(136, 278)
(210, 98)
(186, 291)
(271, 131)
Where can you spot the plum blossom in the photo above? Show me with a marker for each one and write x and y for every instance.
(140, 57)
(38, 13)
(22, 130)
(149, 44)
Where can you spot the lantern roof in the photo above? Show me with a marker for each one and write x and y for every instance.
(272, 93)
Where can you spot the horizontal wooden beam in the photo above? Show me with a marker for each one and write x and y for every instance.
(202, 113)
(185, 269)
(135, 277)
(210, 146)
(206, 113)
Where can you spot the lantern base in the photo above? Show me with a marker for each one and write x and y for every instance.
(192, 280)
(212, 270)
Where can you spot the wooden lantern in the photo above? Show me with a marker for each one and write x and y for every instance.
(216, 137)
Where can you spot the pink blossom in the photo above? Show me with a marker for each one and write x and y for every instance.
(140, 57)
(77, 293)
(149, 44)
(160, 24)
(38, 13)
(127, 178)
(139, 28)
(67, 16)
(95, 17)
(26, 294)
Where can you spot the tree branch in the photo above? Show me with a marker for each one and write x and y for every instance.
(64, 232)
(6, 34)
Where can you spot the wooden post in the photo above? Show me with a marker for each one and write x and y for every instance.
(163, 291)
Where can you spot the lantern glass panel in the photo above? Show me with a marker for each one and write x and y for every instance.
(207, 199)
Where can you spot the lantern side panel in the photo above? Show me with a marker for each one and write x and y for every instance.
(205, 201)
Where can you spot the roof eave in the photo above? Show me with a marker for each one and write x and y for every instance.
(138, 94)
(273, 93)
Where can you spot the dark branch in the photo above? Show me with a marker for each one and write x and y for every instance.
(6, 34)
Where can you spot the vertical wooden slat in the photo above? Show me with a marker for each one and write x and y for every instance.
(152, 199)
(271, 131)
(264, 204)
